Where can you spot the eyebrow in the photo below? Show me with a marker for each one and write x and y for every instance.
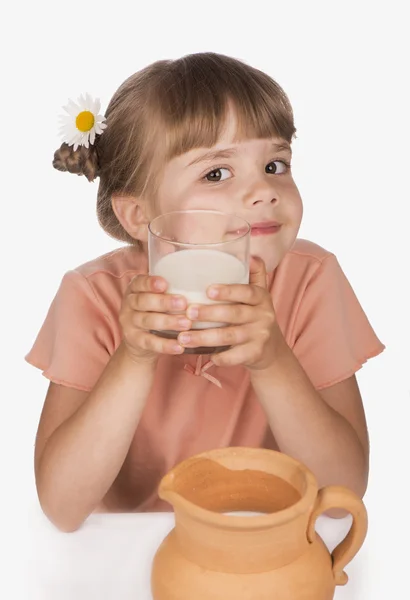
(229, 152)
(283, 146)
(216, 155)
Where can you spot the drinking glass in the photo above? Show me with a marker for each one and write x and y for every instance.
(193, 249)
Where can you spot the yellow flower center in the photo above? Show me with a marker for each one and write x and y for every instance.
(85, 120)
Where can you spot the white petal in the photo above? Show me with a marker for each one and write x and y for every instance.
(88, 102)
(72, 108)
(103, 125)
(97, 128)
(71, 132)
(66, 137)
(75, 147)
(92, 136)
(66, 120)
(97, 106)
(77, 138)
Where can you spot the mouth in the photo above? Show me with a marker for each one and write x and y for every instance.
(265, 228)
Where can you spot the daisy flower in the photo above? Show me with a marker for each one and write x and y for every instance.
(82, 122)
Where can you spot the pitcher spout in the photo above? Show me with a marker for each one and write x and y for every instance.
(166, 490)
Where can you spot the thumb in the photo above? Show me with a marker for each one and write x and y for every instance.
(257, 272)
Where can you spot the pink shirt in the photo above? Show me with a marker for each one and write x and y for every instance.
(187, 413)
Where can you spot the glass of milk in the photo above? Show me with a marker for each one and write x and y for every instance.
(193, 249)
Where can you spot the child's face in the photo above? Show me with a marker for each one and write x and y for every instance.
(249, 178)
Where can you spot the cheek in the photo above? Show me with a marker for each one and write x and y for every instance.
(191, 199)
(171, 202)
(173, 193)
(294, 207)
(298, 214)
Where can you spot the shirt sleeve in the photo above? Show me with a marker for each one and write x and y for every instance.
(75, 341)
(333, 337)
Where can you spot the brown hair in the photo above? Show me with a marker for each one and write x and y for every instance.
(167, 109)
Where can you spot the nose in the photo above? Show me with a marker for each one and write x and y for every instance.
(261, 192)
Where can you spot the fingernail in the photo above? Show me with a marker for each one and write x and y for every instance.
(192, 312)
(213, 292)
(178, 349)
(159, 285)
(186, 323)
(178, 303)
(184, 338)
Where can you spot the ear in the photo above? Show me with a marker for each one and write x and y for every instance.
(131, 213)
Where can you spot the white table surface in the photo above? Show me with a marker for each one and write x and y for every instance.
(110, 557)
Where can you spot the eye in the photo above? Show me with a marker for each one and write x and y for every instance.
(217, 175)
(277, 167)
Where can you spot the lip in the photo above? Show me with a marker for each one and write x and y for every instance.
(265, 228)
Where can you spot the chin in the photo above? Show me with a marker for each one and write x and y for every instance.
(271, 262)
(271, 254)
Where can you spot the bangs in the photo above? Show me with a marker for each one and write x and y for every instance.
(193, 104)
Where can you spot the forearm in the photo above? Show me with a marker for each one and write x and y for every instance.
(83, 456)
(307, 428)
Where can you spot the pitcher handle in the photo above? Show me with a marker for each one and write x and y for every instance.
(341, 497)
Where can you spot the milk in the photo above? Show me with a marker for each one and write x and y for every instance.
(190, 272)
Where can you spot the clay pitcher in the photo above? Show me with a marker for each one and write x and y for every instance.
(273, 555)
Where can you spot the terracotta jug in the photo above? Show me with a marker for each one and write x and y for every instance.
(277, 555)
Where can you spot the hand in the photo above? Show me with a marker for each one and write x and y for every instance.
(144, 308)
(253, 332)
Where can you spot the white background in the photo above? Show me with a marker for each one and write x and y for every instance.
(345, 68)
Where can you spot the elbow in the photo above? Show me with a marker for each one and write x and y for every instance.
(359, 482)
(356, 483)
(66, 526)
(358, 488)
(340, 513)
(61, 521)
(63, 514)
(64, 520)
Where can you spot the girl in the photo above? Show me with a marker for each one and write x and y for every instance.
(123, 405)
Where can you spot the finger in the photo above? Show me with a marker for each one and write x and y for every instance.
(147, 283)
(148, 302)
(160, 321)
(257, 272)
(155, 343)
(237, 355)
(244, 293)
(234, 314)
(218, 336)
